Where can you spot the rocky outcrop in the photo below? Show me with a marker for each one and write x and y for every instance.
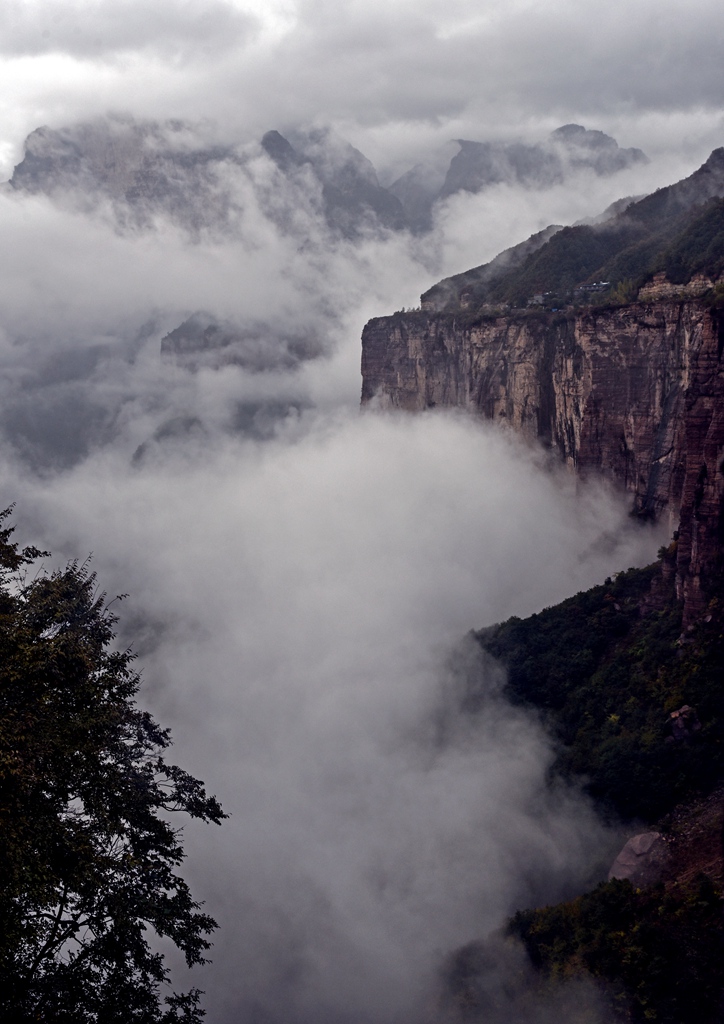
(641, 859)
(633, 392)
(661, 288)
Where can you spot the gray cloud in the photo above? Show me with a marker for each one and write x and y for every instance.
(169, 30)
(298, 604)
(86, 304)
(409, 74)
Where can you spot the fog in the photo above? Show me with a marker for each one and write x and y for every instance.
(303, 576)
(299, 607)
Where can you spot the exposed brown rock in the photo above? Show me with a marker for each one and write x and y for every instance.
(661, 288)
(634, 392)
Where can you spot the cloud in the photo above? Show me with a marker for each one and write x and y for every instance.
(92, 289)
(299, 607)
(415, 74)
(299, 602)
(173, 30)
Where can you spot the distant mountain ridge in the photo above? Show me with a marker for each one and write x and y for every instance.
(480, 165)
(350, 188)
(142, 167)
(147, 168)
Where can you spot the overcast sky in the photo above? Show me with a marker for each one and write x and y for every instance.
(393, 75)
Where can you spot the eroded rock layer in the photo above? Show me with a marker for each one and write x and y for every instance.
(634, 392)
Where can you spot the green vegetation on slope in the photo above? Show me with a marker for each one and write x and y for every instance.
(605, 669)
(661, 952)
(679, 230)
(571, 257)
(699, 248)
(607, 677)
(626, 250)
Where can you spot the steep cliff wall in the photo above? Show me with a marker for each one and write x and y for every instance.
(634, 392)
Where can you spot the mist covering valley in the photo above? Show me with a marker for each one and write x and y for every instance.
(302, 576)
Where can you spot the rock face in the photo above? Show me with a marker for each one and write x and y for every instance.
(142, 167)
(634, 392)
(352, 196)
(478, 166)
(641, 859)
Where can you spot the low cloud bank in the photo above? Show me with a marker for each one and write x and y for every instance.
(299, 607)
(302, 578)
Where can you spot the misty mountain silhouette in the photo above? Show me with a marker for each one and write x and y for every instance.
(480, 165)
(175, 169)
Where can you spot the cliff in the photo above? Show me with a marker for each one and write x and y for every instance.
(634, 392)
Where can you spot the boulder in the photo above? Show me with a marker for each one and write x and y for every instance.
(640, 860)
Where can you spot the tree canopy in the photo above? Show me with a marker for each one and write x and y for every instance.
(89, 850)
(607, 676)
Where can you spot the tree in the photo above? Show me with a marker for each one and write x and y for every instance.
(88, 854)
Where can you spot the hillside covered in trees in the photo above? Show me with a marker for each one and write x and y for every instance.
(677, 230)
(609, 671)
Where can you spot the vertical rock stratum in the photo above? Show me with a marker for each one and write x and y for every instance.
(635, 392)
